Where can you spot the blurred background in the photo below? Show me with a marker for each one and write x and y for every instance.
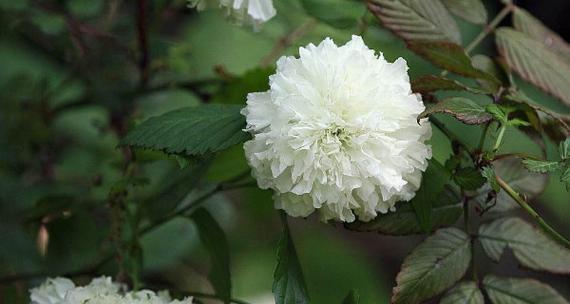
(75, 75)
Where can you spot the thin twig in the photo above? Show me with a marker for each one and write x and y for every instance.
(490, 27)
(287, 41)
(142, 36)
(526, 207)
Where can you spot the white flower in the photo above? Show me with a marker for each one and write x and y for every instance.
(254, 12)
(100, 291)
(52, 291)
(337, 132)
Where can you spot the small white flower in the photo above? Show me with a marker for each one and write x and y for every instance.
(100, 291)
(52, 291)
(254, 12)
(337, 132)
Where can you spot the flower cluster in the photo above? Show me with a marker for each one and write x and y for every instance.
(100, 291)
(254, 12)
(337, 132)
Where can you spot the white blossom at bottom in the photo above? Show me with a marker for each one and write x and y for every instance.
(100, 291)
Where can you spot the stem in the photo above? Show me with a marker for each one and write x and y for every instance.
(526, 207)
(286, 41)
(489, 27)
(499, 138)
(142, 37)
(482, 139)
(467, 229)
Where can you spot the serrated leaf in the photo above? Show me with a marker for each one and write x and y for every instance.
(449, 56)
(489, 174)
(471, 10)
(432, 267)
(466, 293)
(535, 63)
(288, 283)
(417, 19)
(540, 166)
(191, 131)
(463, 109)
(432, 83)
(524, 22)
(214, 239)
(432, 184)
(337, 13)
(469, 178)
(530, 246)
(521, 291)
(351, 298)
(444, 212)
(513, 173)
(564, 149)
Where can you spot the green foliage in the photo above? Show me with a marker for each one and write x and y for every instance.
(433, 83)
(470, 10)
(513, 290)
(352, 298)
(336, 13)
(468, 178)
(288, 283)
(540, 166)
(214, 239)
(489, 174)
(463, 109)
(531, 247)
(524, 22)
(191, 131)
(466, 292)
(535, 63)
(435, 265)
(417, 19)
(433, 182)
(449, 56)
(444, 212)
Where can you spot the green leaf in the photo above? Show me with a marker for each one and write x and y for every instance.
(352, 298)
(530, 246)
(471, 10)
(469, 178)
(236, 90)
(540, 166)
(288, 283)
(466, 293)
(336, 13)
(521, 291)
(449, 56)
(432, 83)
(489, 174)
(444, 212)
(191, 131)
(486, 64)
(564, 149)
(498, 113)
(432, 267)
(524, 22)
(214, 239)
(535, 63)
(433, 181)
(463, 109)
(417, 19)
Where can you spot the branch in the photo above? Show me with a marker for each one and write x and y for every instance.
(142, 36)
(287, 41)
(526, 207)
(490, 27)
